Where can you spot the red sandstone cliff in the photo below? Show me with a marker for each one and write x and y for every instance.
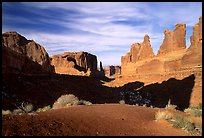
(23, 56)
(172, 55)
(173, 41)
(74, 63)
(112, 70)
(193, 56)
(139, 51)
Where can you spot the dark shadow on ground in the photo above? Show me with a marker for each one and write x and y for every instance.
(177, 91)
(43, 90)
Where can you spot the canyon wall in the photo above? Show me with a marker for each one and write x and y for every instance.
(112, 70)
(23, 56)
(76, 63)
(172, 55)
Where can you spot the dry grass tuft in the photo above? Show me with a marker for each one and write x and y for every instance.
(163, 115)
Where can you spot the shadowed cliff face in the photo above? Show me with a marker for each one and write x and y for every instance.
(177, 91)
(20, 55)
(42, 90)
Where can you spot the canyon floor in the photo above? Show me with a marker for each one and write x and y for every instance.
(104, 117)
(93, 120)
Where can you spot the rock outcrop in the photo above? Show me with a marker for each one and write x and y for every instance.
(112, 70)
(23, 56)
(172, 55)
(74, 63)
(173, 41)
(193, 56)
(139, 51)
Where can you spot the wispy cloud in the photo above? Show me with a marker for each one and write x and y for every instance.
(104, 29)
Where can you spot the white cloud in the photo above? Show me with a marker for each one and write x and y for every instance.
(96, 28)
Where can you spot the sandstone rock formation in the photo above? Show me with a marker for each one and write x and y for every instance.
(172, 55)
(112, 70)
(74, 63)
(139, 51)
(23, 56)
(193, 56)
(174, 41)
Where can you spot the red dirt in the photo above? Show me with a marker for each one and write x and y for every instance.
(104, 119)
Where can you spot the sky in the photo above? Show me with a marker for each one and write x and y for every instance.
(105, 29)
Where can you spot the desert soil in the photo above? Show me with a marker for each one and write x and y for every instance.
(93, 120)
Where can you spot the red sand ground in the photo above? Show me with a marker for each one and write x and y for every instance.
(104, 119)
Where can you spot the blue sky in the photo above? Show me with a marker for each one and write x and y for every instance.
(105, 29)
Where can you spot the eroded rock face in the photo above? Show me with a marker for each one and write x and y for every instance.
(139, 51)
(24, 56)
(112, 70)
(74, 63)
(173, 41)
(193, 57)
(172, 55)
(127, 58)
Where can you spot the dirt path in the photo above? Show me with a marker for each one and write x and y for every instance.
(106, 119)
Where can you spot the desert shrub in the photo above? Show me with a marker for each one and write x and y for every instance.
(171, 106)
(27, 107)
(198, 127)
(65, 100)
(84, 102)
(196, 111)
(122, 102)
(163, 115)
(46, 108)
(200, 106)
(181, 122)
(18, 112)
(6, 112)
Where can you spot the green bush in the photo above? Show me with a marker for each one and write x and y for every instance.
(198, 127)
(181, 122)
(196, 111)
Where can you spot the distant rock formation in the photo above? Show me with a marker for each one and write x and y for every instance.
(173, 41)
(75, 63)
(139, 51)
(112, 70)
(193, 56)
(172, 55)
(23, 56)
